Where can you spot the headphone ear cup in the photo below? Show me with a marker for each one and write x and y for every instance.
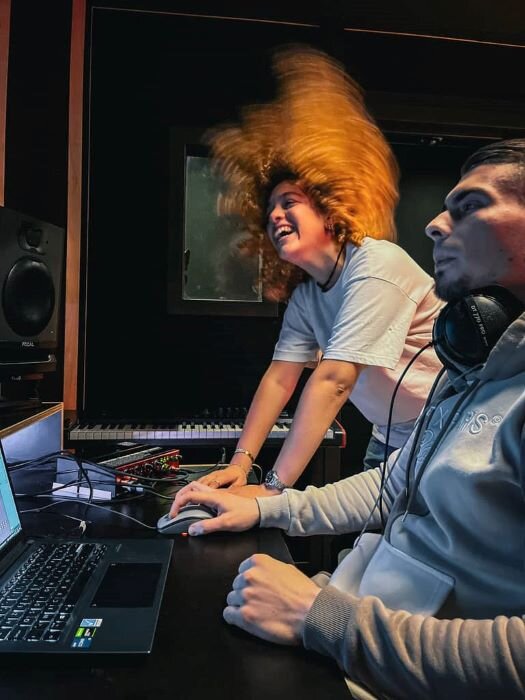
(467, 329)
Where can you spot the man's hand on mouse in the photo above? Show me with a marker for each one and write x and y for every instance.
(234, 513)
(270, 600)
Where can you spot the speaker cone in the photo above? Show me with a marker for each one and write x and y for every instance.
(28, 297)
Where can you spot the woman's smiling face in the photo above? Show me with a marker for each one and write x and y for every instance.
(295, 227)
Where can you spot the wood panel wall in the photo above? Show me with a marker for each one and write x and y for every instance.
(74, 206)
(5, 15)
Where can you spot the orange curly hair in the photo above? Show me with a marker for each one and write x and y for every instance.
(318, 134)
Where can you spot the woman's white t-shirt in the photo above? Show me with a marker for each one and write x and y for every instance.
(379, 313)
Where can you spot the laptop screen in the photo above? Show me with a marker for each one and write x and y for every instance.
(9, 519)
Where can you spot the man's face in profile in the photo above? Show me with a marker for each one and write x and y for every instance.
(479, 237)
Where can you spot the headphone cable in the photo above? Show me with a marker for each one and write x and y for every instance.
(389, 425)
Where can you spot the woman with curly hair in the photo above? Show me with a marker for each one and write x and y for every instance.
(314, 182)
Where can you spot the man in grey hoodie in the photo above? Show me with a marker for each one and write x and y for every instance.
(435, 606)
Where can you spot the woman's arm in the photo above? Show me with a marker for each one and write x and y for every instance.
(324, 394)
(273, 393)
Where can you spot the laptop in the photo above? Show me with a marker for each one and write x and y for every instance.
(76, 597)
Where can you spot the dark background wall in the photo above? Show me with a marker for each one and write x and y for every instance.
(149, 73)
(37, 124)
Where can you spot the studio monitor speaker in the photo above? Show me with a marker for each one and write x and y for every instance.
(31, 271)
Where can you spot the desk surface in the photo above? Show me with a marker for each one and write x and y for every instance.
(196, 655)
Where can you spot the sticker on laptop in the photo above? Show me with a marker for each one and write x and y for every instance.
(82, 643)
(91, 622)
(85, 633)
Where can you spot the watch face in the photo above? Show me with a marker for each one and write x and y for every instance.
(273, 481)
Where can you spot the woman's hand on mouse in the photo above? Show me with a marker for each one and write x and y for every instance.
(234, 514)
(232, 475)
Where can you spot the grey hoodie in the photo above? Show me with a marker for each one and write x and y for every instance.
(434, 608)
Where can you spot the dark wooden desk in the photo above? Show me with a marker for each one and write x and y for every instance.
(196, 654)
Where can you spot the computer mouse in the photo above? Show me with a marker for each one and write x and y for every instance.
(187, 515)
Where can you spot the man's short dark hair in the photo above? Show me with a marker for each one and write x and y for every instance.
(508, 152)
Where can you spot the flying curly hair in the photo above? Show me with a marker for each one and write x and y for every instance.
(317, 134)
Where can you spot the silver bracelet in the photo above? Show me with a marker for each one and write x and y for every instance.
(272, 481)
(242, 451)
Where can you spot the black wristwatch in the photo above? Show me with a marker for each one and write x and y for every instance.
(272, 481)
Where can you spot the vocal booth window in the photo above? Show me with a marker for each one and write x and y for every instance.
(209, 273)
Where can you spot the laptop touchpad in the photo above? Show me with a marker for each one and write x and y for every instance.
(128, 586)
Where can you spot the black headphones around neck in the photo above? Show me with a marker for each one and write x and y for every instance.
(467, 329)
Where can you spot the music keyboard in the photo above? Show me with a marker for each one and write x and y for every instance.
(192, 432)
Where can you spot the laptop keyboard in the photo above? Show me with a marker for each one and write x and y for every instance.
(37, 601)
